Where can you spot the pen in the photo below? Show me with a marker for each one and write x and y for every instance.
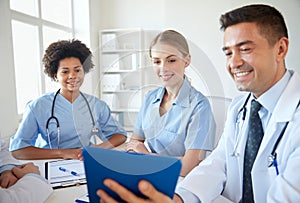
(65, 170)
(276, 166)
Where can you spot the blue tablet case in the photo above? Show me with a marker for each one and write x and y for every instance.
(128, 169)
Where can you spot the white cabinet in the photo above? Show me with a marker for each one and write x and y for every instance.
(126, 72)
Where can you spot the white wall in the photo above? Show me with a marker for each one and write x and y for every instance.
(198, 20)
(8, 105)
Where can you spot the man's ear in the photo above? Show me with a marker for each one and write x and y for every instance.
(283, 45)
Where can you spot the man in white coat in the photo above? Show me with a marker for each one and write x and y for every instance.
(20, 182)
(255, 44)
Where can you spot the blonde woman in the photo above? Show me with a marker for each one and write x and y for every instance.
(175, 119)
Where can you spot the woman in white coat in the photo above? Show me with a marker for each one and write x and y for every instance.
(20, 182)
(255, 44)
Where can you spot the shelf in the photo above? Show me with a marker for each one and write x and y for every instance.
(123, 72)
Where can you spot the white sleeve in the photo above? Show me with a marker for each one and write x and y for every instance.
(211, 170)
(187, 196)
(28, 189)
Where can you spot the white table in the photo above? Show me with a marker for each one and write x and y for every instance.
(67, 195)
(61, 195)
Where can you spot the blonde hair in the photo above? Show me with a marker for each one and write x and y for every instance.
(172, 38)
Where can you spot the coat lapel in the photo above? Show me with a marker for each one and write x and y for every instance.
(283, 112)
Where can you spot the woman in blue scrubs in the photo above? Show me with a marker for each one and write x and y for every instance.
(59, 124)
(175, 119)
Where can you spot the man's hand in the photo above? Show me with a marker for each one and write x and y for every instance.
(145, 187)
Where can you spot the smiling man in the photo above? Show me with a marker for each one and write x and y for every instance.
(255, 44)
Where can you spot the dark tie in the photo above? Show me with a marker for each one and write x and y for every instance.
(255, 136)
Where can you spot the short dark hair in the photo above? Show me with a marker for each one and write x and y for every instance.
(268, 19)
(65, 49)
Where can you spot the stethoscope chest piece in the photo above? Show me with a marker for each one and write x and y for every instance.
(271, 159)
(95, 131)
(235, 154)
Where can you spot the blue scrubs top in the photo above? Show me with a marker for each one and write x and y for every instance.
(74, 120)
(189, 124)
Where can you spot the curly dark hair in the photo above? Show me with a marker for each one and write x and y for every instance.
(64, 49)
(268, 19)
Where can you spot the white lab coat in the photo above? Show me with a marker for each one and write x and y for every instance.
(222, 173)
(30, 188)
(27, 189)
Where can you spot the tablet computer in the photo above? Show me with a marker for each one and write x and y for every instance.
(64, 173)
(128, 169)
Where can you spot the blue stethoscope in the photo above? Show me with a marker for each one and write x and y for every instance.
(52, 117)
(272, 158)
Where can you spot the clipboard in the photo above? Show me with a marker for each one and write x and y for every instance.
(128, 169)
(65, 173)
